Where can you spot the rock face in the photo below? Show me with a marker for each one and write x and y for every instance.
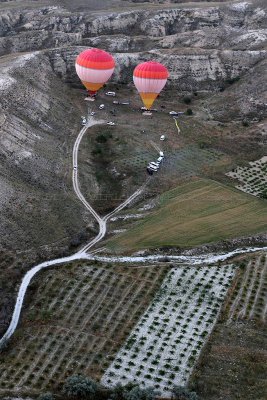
(38, 119)
(203, 48)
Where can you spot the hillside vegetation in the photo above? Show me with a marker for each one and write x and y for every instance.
(200, 212)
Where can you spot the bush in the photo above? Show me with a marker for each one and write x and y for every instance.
(187, 100)
(181, 392)
(101, 139)
(76, 385)
(46, 396)
(245, 123)
(132, 391)
(189, 111)
(96, 151)
(137, 393)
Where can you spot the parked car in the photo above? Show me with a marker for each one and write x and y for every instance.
(143, 108)
(160, 159)
(154, 169)
(111, 94)
(153, 164)
(173, 113)
(111, 123)
(101, 106)
(161, 154)
(75, 167)
(83, 122)
(149, 171)
(162, 138)
(92, 113)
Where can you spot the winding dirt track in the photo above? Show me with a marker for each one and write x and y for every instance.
(81, 254)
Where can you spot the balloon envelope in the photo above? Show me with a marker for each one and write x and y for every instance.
(94, 67)
(149, 78)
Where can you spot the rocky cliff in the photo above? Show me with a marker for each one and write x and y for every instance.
(202, 47)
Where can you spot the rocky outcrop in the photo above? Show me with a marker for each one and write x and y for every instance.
(189, 70)
(241, 25)
(37, 120)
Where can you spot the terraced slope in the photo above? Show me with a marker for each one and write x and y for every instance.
(200, 212)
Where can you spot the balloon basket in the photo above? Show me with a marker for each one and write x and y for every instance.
(89, 99)
(148, 113)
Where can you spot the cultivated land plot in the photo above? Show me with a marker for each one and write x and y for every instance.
(200, 212)
(163, 347)
(248, 298)
(75, 323)
(253, 178)
(236, 349)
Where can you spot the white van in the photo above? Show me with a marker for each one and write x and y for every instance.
(101, 106)
(111, 94)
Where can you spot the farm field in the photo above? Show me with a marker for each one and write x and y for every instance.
(197, 213)
(165, 344)
(77, 319)
(253, 177)
(236, 349)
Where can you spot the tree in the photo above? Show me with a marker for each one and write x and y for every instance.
(137, 393)
(46, 396)
(182, 393)
(187, 100)
(76, 385)
(189, 111)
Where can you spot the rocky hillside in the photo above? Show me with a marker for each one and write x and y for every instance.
(203, 48)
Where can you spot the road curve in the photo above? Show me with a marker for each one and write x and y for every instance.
(81, 254)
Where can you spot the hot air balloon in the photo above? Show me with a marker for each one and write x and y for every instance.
(94, 67)
(149, 78)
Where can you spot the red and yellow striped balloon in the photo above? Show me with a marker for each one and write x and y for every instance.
(94, 67)
(149, 78)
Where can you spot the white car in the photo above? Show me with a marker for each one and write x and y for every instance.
(162, 138)
(92, 113)
(75, 167)
(111, 94)
(101, 106)
(111, 123)
(155, 169)
(161, 154)
(173, 113)
(143, 108)
(160, 159)
(83, 122)
(153, 164)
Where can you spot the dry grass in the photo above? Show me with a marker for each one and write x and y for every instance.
(200, 212)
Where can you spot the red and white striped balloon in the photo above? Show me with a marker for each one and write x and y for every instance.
(94, 67)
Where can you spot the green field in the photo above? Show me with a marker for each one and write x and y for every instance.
(200, 212)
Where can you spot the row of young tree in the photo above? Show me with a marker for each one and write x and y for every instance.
(78, 387)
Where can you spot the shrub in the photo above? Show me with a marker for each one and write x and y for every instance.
(187, 100)
(76, 385)
(101, 139)
(136, 393)
(189, 111)
(46, 396)
(181, 392)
